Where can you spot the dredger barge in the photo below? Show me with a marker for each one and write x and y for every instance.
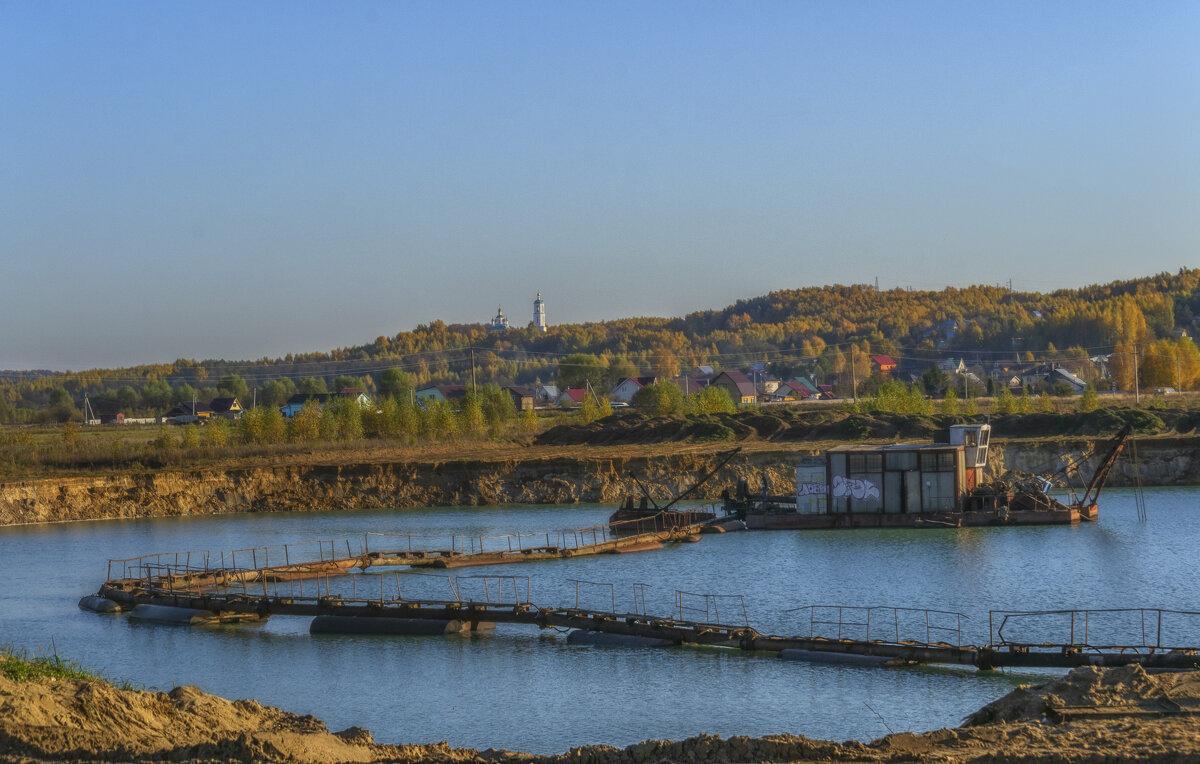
(917, 486)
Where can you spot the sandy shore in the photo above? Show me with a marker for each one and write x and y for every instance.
(1089, 715)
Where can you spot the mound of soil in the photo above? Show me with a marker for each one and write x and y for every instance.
(67, 720)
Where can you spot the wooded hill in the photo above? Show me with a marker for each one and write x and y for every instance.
(796, 330)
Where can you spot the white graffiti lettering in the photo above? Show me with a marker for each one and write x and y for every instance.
(810, 489)
(855, 489)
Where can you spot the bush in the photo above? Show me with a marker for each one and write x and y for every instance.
(659, 399)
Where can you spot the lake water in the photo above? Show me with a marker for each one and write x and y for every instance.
(520, 689)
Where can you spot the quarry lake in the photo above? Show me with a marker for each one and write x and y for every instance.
(521, 689)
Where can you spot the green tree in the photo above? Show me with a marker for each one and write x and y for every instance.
(439, 419)
(712, 400)
(190, 437)
(70, 434)
(261, 426)
(396, 384)
(273, 393)
(934, 380)
(349, 418)
(470, 415)
(581, 369)
(156, 395)
(497, 406)
(619, 368)
(163, 443)
(233, 386)
(128, 399)
(1005, 402)
(528, 422)
(216, 433)
(589, 410)
(312, 385)
(61, 408)
(950, 402)
(659, 398)
(1089, 401)
(305, 425)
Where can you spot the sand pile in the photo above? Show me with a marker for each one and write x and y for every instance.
(59, 719)
(1145, 718)
(1113, 691)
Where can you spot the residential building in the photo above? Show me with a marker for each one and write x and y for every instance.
(738, 385)
(624, 390)
(185, 413)
(298, 401)
(441, 393)
(883, 365)
(226, 408)
(572, 397)
(522, 397)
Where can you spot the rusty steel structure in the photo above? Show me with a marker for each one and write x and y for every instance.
(303, 588)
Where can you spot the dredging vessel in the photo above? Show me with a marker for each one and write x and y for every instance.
(916, 485)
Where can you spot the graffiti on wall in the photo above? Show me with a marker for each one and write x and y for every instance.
(846, 488)
(810, 489)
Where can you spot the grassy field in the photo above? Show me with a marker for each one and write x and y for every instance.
(28, 452)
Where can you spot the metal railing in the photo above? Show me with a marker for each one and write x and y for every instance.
(1114, 629)
(865, 623)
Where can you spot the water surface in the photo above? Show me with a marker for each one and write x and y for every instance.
(521, 689)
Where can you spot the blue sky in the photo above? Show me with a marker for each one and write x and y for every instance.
(239, 180)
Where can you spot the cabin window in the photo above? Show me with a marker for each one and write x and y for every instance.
(937, 461)
(901, 460)
(865, 463)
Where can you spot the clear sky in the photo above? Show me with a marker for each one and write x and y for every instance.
(237, 180)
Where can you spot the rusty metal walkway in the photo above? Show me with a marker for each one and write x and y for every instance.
(323, 557)
(260, 592)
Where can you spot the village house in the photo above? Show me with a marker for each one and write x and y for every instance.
(226, 408)
(522, 397)
(443, 393)
(624, 390)
(690, 386)
(738, 385)
(544, 395)
(297, 402)
(189, 412)
(883, 365)
(321, 400)
(572, 397)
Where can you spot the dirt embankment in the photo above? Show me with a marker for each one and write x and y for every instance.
(498, 475)
(1091, 715)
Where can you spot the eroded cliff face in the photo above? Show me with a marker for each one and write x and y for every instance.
(530, 481)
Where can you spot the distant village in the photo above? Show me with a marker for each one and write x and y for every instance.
(752, 385)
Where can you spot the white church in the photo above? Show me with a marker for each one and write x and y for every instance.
(500, 321)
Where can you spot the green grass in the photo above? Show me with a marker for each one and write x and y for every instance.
(21, 667)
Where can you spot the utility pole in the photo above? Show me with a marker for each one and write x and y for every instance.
(1137, 390)
(473, 390)
(853, 375)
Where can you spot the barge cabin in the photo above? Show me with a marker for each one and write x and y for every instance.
(904, 485)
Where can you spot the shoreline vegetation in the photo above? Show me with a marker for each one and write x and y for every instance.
(571, 462)
(55, 711)
(70, 450)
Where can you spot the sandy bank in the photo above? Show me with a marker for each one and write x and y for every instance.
(487, 474)
(1090, 715)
